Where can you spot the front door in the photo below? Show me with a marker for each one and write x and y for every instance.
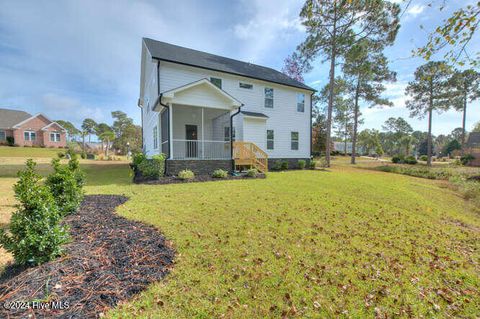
(191, 133)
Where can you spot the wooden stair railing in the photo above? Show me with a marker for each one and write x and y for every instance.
(249, 154)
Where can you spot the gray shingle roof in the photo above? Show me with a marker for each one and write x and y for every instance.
(473, 139)
(8, 118)
(254, 114)
(174, 53)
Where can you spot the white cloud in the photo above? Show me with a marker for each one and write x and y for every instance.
(415, 10)
(56, 106)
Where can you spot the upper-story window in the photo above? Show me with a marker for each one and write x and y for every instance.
(294, 136)
(269, 98)
(54, 137)
(300, 102)
(244, 85)
(29, 136)
(217, 82)
(270, 140)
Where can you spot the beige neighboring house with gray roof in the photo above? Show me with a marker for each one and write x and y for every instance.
(30, 130)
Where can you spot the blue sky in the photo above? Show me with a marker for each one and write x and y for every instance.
(77, 59)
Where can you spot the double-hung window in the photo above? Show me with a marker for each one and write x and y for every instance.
(294, 144)
(29, 136)
(300, 102)
(217, 82)
(155, 137)
(54, 137)
(270, 140)
(3, 135)
(269, 98)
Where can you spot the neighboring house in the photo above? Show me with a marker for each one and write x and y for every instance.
(473, 147)
(28, 130)
(206, 111)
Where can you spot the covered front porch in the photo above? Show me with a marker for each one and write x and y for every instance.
(195, 122)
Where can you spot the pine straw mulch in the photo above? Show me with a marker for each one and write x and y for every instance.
(108, 260)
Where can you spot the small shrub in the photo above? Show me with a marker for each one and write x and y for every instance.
(186, 174)
(312, 164)
(284, 165)
(219, 173)
(466, 159)
(34, 235)
(410, 160)
(252, 172)
(302, 164)
(137, 158)
(277, 165)
(423, 158)
(10, 141)
(152, 168)
(66, 185)
(397, 159)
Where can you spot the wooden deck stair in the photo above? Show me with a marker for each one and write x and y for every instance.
(250, 155)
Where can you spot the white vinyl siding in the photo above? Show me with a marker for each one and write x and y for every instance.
(54, 137)
(29, 136)
(283, 118)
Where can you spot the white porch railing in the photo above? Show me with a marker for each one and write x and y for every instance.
(201, 149)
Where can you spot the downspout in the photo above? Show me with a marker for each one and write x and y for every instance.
(231, 136)
(168, 110)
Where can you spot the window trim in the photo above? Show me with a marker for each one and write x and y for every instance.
(293, 141)
(245, 85)
(272, 140)
(55, 134)
(301, 103)
(216, 78)
(30, 134)
(226, 133)
(268, 98)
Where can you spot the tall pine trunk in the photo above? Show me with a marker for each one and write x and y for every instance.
(355, 123)
(331, 89)
(464, 119)
(429, 138)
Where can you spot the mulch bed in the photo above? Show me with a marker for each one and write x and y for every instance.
(198, 178)
(109, 259)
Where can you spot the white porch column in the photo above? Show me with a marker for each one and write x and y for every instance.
(203, 138)
(170, 128)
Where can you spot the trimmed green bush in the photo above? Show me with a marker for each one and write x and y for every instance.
(277, 166)
(10, 141)
(137, 158)
(151, 168)
(466, 159)
(66, 185)
(302, 164)
(284, 165)
(312, 164)
(219, 173)
(410, 160)
(186, 174)
(34, 235)
(252, 172)
(397, 159)
(423, 158)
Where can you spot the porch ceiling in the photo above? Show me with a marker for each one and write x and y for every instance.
(201, 93)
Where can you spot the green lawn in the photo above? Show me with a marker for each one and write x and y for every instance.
(340, 243)
(7, 151)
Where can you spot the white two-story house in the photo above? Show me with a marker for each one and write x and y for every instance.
(204, 111)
